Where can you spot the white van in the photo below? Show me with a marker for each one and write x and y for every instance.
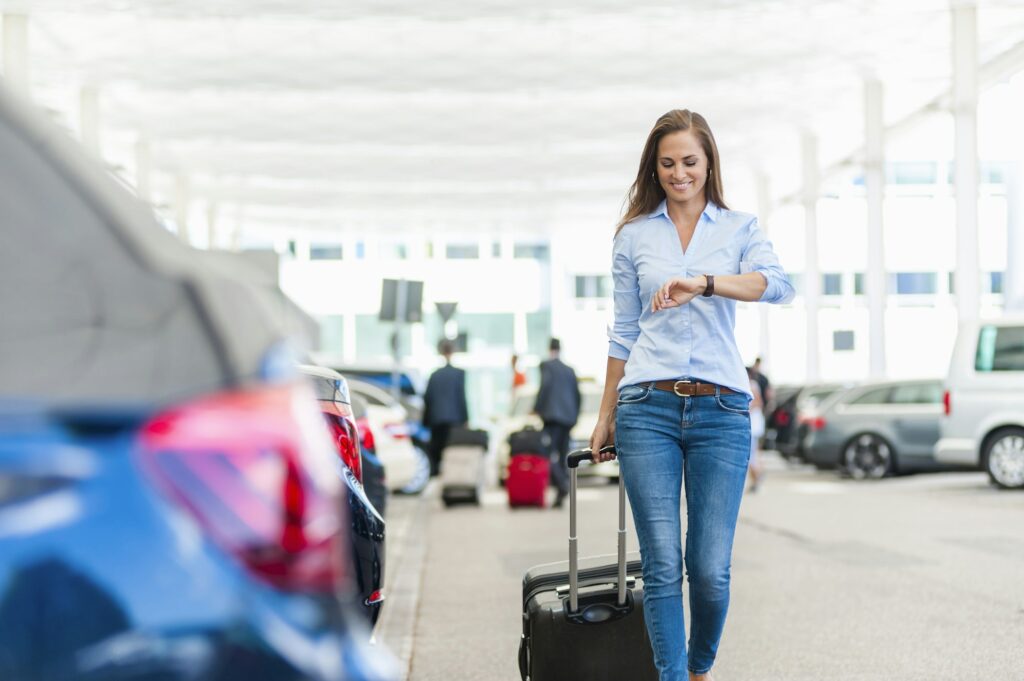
(984, 401)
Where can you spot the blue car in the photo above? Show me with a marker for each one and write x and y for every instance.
(170, 505)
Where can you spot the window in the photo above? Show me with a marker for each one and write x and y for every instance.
(858, 284)
(393, 251)
(325, 251)
(995, 282)
(332, 334)
(496, 249)
(462, 251)
(534, 251)
(1000, 348)
(842, 341)
(360, 250)
(875, 396)
(913, 283)
(593, 286)
(912, 172)
(832, 284)
(917, 393)
(992, 173)
(797, 281)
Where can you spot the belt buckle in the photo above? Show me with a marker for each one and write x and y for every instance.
(675, 387)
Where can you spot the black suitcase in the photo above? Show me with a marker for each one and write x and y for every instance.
(585, 619)
(529, 440)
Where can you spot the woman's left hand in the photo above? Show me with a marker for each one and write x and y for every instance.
(677, 291)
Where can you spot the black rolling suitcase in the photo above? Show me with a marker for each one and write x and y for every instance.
(585, 619)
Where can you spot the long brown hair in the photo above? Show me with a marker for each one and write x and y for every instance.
(646, 192)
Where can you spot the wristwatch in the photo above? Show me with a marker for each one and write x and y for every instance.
(709, 290)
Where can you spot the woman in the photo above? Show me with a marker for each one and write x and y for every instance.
(676, 399)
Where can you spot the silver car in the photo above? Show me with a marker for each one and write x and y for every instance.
(876, 429)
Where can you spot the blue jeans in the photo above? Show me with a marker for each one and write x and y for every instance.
(666, 442)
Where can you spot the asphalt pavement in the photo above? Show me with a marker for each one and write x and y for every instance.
(913, 577)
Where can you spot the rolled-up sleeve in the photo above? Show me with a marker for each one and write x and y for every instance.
(625, 328)
(759, 256)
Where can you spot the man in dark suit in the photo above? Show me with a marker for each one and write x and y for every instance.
(444, 405)
(558, 405)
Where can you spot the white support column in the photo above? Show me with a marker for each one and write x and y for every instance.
(965, 113)
(874, 184)
(764, 210)
(15, 45)
(211, 226)
(89, 119)
(812, 275)
(1013, 277)
(143, 169)
(181, 201)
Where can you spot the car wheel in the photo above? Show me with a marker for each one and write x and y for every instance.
(1003, 458)
(422, 475)
(868, 457)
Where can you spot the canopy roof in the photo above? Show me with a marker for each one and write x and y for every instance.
(396, 114)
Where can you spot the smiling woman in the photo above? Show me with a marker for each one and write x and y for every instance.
(681, 260)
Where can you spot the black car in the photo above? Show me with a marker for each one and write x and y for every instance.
(366, 526)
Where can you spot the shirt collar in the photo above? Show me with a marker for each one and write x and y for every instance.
(711, 211)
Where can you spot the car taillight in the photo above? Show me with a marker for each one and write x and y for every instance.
(947, 403)
(255, 469)
(816, 422)
(782, 418)
(365, 434)
(346, 438)
(397, 430)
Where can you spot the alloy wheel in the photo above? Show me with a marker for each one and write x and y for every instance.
(1005, 460)
(867, 457)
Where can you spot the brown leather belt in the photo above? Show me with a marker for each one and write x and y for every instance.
(687, 388)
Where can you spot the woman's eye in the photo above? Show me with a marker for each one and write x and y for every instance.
(692, 163)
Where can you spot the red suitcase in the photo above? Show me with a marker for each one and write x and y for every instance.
(527, 480)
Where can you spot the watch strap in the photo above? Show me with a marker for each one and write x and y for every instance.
(709, 290)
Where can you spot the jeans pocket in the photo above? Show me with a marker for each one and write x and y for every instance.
(736, 403)
(632, 394)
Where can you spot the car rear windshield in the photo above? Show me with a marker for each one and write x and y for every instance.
(1000, 348)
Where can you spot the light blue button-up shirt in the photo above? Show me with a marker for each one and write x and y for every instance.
(694, 340)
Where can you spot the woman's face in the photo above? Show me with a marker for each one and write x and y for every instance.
(682, 166)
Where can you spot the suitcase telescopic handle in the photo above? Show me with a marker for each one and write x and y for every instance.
(573, 461)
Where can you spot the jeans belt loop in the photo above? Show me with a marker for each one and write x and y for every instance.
(675, 388)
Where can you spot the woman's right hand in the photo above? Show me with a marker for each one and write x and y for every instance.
(604, 434)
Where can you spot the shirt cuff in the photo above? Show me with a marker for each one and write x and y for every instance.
(618, 351)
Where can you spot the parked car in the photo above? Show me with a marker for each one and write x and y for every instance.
(169, 504)
(522, 415)
(983, 425)
(806, 409)
(366, 529)
(374, 476)
(410, 388)
(877, 429)
(781, 425)
(407, 465)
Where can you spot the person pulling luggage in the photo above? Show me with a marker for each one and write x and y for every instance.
(444, 405)
(558, 405)
(677, 399)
